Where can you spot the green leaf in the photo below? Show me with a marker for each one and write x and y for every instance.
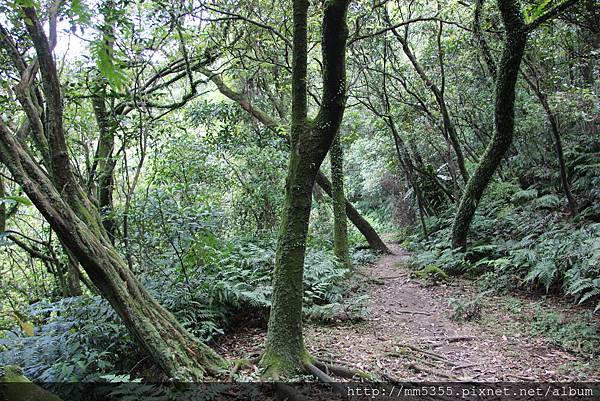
(531, 13)
(105, 61)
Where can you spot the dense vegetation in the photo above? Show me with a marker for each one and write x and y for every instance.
(164, 171)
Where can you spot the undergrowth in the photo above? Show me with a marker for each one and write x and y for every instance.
(81, 339)
(521, 241)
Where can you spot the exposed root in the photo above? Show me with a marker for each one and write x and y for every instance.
(413, 312)
(237, 365)
(428, 353)
(418, 368)
(325, 378)
(453, 339)
(342, 371)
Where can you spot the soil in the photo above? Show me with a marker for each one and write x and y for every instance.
(408, 334)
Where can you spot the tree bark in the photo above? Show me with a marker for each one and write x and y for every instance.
(70, 213)
(170, 345)
(105, 165)
(285, 352)
(2, 207)
(515, 38)
(340, 229)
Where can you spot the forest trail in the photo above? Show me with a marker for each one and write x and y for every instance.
(408, 334)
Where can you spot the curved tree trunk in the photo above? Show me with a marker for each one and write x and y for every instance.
(285, 352)
(515, 38)
(340, 229)
(562, 168)
(438, 92)
(181, 356)
(60, 199)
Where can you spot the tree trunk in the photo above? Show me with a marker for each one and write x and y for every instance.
(73, 282)
(16, 387)
(171, 347)
(2, 207)
(61, 200)
(515, 38)
(340, 229)
(285, 352)
(105, 165)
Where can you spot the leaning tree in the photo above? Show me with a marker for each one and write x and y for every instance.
(54, 189)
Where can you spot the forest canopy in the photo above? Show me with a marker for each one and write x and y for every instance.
(173, 172)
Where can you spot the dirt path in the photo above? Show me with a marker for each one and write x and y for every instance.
(404, 317)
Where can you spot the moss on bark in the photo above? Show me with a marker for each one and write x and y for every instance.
(515, 38)
(340, 227)
(285, 353)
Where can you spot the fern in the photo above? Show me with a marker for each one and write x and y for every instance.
(544, 272)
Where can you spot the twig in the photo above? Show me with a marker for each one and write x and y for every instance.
(422, 351)
(453, 339)
(464, 366)
(413, 312)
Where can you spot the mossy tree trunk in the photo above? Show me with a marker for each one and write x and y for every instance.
(507, 72)
(60, 199)
(515, 38)
(285, 352)
(104, 164)
(2, 206)
(340, 228)
(14, 386)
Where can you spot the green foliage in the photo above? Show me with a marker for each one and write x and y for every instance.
(75, 339)
(523, 196)
(432, 273)
(16, 199)
(573, 334)
(519, 240)
(107, 65)
(465, 309)
(535, 10)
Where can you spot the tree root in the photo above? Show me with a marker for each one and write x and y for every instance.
(325, 378)
(241, 363)
(433, 372)
(453, 339)
(432, 355)
(342, 371)
(413, 312)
